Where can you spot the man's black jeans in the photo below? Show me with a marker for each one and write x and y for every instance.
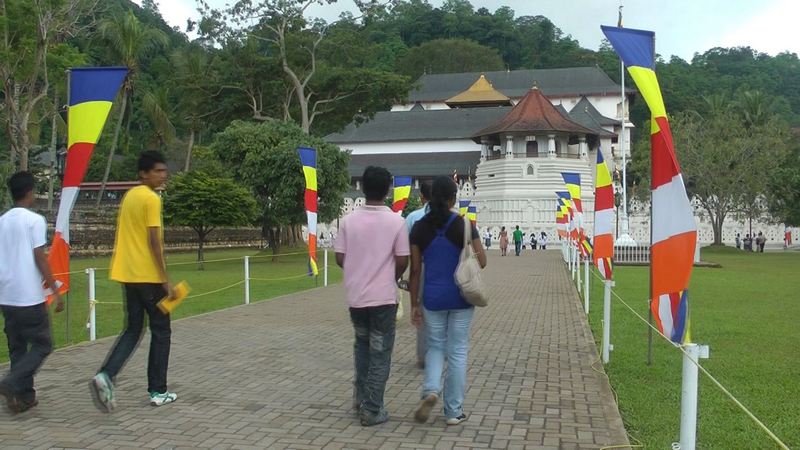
(29, 342)
(141, 298)
(374, 340)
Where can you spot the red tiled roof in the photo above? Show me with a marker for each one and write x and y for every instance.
(534, 112)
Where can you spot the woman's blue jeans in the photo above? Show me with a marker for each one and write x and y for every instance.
(448, 340)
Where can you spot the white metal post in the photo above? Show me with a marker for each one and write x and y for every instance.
(92, 311)
(607, 285)
(572, 258)
(694, 352)
(247, 280)
(325, 269)
(586, 285)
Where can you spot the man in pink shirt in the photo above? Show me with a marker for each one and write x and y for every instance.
(372, 248)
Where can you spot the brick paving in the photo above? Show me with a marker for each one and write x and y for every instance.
(277, 374)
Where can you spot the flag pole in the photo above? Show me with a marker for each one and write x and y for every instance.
(624, 239)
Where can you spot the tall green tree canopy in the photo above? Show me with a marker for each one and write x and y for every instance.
(449, 55)
(264, 157)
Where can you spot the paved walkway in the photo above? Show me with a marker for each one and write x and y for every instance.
(278, 374)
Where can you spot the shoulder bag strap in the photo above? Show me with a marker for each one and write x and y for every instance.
(466, 253)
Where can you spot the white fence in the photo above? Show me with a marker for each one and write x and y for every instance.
(639, 254)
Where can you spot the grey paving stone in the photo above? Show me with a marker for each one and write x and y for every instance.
(278, 374)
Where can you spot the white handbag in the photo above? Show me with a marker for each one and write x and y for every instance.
(468, 272)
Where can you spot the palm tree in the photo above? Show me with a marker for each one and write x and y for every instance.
(129, 40)
(156, 105)
(755, 107)
(197, 88)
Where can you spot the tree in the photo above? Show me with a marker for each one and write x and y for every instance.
(204, 202)
(129, 40)
(198, 87)
(449, 55)
(294, 44)
(784, 188)
(726, 166)
(30, 32)
(264, 157)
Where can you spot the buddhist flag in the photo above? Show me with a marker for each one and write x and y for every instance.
(472, 214)
(586, 246)
(402, 190)
(565, 199)
(463, 207)
(91, 93)
(573, 182)
(308, 158)
(561, 219)
(603, 218)
(674, 232)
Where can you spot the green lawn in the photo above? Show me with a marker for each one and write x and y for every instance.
(747, 313)
(180, 267)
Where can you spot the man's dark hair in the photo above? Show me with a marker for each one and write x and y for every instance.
(376, 182)
(149, 159)
(20, 184)
(425, 188)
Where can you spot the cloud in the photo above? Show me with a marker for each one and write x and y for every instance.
(772, 30)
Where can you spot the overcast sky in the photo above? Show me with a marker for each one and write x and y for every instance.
(683, 27)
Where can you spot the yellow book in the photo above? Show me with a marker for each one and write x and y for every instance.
(166, 305)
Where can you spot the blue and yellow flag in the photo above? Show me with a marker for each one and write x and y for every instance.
(308, 158)
(91, 94)
(673, 230)
(402, 190)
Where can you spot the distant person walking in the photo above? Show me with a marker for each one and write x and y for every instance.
(138, 263)
(503, 241)
(761, 240)
(372, 248)
(543, 241)
(487, 238)
(518, 235)
(437, 241)
(23, 267)
(738, 241)
(411, 220)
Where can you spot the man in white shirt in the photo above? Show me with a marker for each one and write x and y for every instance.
(23, 267)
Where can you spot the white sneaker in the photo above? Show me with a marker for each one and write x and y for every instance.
(157, 399)
(456, 420)
(102, 389)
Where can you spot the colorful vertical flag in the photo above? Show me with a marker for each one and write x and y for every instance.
(308, 158)
(674, 232)
(91, 94)
(565, 199)
(402, 190)
(586, 246)
(463, 207)
(573, 182)
(561, 219)
(472, 214)
(603, 218)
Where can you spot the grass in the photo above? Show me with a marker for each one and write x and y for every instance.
(747, 313)
(267, 282)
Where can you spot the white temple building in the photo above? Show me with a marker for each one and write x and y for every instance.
(507, 136)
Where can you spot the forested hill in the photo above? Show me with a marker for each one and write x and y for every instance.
(181, 92)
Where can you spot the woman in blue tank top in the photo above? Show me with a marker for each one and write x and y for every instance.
(437, 240)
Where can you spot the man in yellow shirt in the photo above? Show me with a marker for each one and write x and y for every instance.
(138, 263)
